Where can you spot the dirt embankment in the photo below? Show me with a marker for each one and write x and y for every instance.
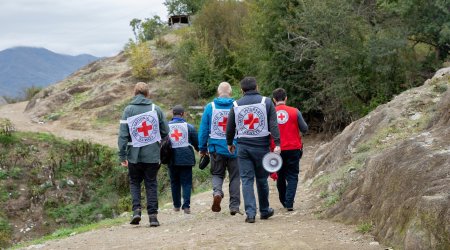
(392, 169)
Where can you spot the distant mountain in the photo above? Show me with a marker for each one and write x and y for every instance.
(23, 67)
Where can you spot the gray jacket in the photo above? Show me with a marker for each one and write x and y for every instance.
(252, 97)
(146, 154)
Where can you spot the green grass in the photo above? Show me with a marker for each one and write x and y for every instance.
(365, 227)
(66, 232)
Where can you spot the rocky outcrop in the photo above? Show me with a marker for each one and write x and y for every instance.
(392, 169)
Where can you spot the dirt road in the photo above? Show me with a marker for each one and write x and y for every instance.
(299, 229)
(23, 122)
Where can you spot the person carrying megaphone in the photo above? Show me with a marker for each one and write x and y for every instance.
(252, 120)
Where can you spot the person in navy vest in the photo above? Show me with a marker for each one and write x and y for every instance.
(212, 141)
(290, 123)
(253, 120)
(183, 138)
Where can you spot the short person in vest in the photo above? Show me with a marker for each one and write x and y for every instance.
(142, 126)
(290, 123)
(252, 120)
(183, 137)
(212, 140)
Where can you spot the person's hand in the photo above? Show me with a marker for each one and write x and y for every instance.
(277, 150)
(203, 153)
(231, 149)
(124, 163)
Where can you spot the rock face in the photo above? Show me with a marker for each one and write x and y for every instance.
(392, 169)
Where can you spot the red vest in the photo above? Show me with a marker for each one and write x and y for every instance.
(288, 124)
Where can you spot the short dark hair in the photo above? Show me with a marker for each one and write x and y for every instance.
(279, 94)
(248, 83)
(178, 110)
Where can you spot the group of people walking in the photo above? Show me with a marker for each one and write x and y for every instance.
(236, 135)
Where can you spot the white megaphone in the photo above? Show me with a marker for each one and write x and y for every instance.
(272, 162)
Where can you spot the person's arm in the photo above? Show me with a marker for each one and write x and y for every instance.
(231, 127)
(124, 136)
(204, 131)
(301, 122)
(193, 137)
(273, 123)
(163, 125)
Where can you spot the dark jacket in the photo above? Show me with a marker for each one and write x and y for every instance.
(146, 154)
(185, 156)
(252, 97)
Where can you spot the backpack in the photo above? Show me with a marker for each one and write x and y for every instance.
(166, 150)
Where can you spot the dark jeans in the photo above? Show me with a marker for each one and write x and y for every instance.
(288, 174)
(181, 177)
(250, 167)
(220, 163)
(146, 172)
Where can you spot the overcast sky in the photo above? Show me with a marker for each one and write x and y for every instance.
(97, 27)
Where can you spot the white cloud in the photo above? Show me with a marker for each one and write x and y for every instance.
(98, 27)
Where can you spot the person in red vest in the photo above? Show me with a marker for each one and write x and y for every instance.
(290, 124)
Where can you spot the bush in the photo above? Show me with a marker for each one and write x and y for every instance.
(5, 233)
(141, 60)
(30, 92)
(6, 127)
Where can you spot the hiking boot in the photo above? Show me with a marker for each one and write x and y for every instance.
(216, 203)
(136, 217)
(250, 219)
(235, 211)
(154, 220)
(268, 215)
(187, 210)
(176, 209)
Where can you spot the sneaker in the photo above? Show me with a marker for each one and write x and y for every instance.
(250, 219)
(187, 210)
(176, 209)
(136, 217)
(290, 209)
(268, 215)
(216, 203)
(235, 211)
(154, 220)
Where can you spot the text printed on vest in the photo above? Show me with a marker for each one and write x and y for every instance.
(144, 129)
(179, 135)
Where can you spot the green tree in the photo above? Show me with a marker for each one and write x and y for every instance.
(148, 29)
(183, 7)
(426, 21)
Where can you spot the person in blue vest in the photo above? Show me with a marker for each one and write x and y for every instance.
(142, 126)
(253, 119)
(212, 141)
(183, 138)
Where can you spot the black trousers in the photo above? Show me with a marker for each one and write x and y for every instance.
(146, 172)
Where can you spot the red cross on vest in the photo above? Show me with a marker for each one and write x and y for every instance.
(145, 128)
(176, 135)
(281, 116)
(251, 121)
(223, 123)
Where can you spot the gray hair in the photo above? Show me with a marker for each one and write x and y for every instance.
(224, 89)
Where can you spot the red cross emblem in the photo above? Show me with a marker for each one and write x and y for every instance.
(281, 116)
(251, 121)
(145, 128)
(223, 123)
(176, 135)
